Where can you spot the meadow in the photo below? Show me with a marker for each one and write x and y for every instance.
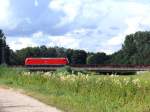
(82, 92)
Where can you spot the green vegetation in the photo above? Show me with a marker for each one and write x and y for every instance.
(135, 50)
(82, 93)
(4, 49)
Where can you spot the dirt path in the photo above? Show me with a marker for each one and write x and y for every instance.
(11, 101)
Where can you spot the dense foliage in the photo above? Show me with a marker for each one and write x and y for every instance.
(98, 58)
(74, 56)
(4, 49)
(135, 50)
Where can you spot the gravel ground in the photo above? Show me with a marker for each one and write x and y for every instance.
(11, 101)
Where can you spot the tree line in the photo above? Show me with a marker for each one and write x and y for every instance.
(74, 56)
(4, 49)
(135, 50)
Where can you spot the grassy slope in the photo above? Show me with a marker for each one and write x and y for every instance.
(82, 93)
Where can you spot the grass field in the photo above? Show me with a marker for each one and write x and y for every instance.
(78, 92)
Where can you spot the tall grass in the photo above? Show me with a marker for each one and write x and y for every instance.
(77, 92)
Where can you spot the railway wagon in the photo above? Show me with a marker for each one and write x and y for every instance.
(46, 62)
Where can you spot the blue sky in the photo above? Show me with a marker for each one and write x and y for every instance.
(91, 25)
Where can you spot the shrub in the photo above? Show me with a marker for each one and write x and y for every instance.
(65, 70)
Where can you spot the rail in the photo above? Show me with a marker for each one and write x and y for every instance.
(98, 68)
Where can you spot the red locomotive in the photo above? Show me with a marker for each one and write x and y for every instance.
(39, 62)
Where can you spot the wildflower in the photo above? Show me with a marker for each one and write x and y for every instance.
(126, 81)
(26, 73)
(112, 75)
(118, 82)
(62, 78)
(136, 82)
(47, 74)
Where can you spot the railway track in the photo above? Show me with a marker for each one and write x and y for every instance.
(98, 68)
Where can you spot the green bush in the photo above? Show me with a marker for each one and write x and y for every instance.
(65, 70)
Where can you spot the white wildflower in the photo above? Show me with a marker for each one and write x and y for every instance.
(136, 82)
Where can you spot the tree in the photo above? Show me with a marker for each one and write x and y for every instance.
(13, 58)
(98, 58)
(61, 52)
(69, 54)
(118, 58)
(79, 57)
(43, 50)
(51, 52)
(7, 54)
(135, 50)
(4, 49)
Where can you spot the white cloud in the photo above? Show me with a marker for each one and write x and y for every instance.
(64, 41)
(70, 8)
(36, 3)
(126, 15)
(16, 43)
(115, 40)
(93, 25)
(135, 16)
(38, 34)
(36, 39)
(39, 38)
(5, 13)
(7, 19)
(80, 10)
(4, 10)
(67, 40)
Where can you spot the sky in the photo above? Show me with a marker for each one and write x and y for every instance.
(91, 25)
